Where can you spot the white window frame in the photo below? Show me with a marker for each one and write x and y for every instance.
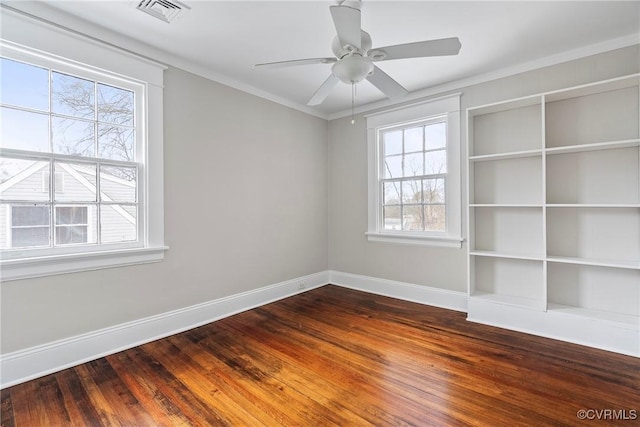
(31, 40)
(444, 107)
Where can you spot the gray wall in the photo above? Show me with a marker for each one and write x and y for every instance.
(349, 250)
(245, 207)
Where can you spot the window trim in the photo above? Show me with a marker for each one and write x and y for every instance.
(25, 37)
(449, 106)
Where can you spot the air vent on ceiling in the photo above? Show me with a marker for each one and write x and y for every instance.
(164, 10)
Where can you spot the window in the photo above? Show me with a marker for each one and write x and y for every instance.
(80, 153)
(29, 226)
(414, 174)
(414, 169)
(72, 225)
(85, 130)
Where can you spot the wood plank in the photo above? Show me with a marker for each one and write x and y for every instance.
(6, 410)
(334, 356)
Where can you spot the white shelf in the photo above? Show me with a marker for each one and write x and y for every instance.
(511, 130)
(502, 156)
(609, 145)
(508, 230)
(532, 304)
(507, 181)
(593, 233)
(592, 119)
(512, 255)
(505, 205)
(508, 105)
(597, 315)
(602, 177)
(593, 205)
(634, 265)
(594, 88)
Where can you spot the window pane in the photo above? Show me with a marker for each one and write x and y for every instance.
(68, 235)
(118, 224)
(433, 190)
(413, 164)
(392, 142)
(393, 167)
(117, 184)
(435, 136)
(413, 140)
(26, 216)
(436, 162)
(66, 215)
(24, 130)
(75, 224)
(72, 136)
(75, 182)
(391, 193)
(435, 218)
(24, 85)
(391, 218)
(29, 237)
(412, 218)
(411, 191)
(24, 179)
(72, 96)
(29, 226)
(115, 105)
(115, 142)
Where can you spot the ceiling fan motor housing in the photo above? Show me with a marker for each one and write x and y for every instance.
(341, 51)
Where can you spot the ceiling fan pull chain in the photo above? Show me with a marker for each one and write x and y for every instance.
(353, 100)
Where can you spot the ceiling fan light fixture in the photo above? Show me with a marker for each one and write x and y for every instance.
(352, 69)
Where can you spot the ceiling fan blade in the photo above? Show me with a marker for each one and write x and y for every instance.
(440, 47)
(295, 62)
(386, 84)
(323, 90)
(347, 22)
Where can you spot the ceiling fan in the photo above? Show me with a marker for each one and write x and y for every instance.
(354, 58)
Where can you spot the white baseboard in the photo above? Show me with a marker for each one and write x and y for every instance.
(34, 362)
(427, 295)
(605, 335)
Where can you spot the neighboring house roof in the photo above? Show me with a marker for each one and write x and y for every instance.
(76, 172)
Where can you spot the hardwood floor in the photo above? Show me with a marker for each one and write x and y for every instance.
(334, 356)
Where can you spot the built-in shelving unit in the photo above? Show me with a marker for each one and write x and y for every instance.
(554, 214)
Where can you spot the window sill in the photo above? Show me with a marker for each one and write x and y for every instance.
(415, 240)
(27, 268)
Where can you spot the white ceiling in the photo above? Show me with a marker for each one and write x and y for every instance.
(223, 39)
